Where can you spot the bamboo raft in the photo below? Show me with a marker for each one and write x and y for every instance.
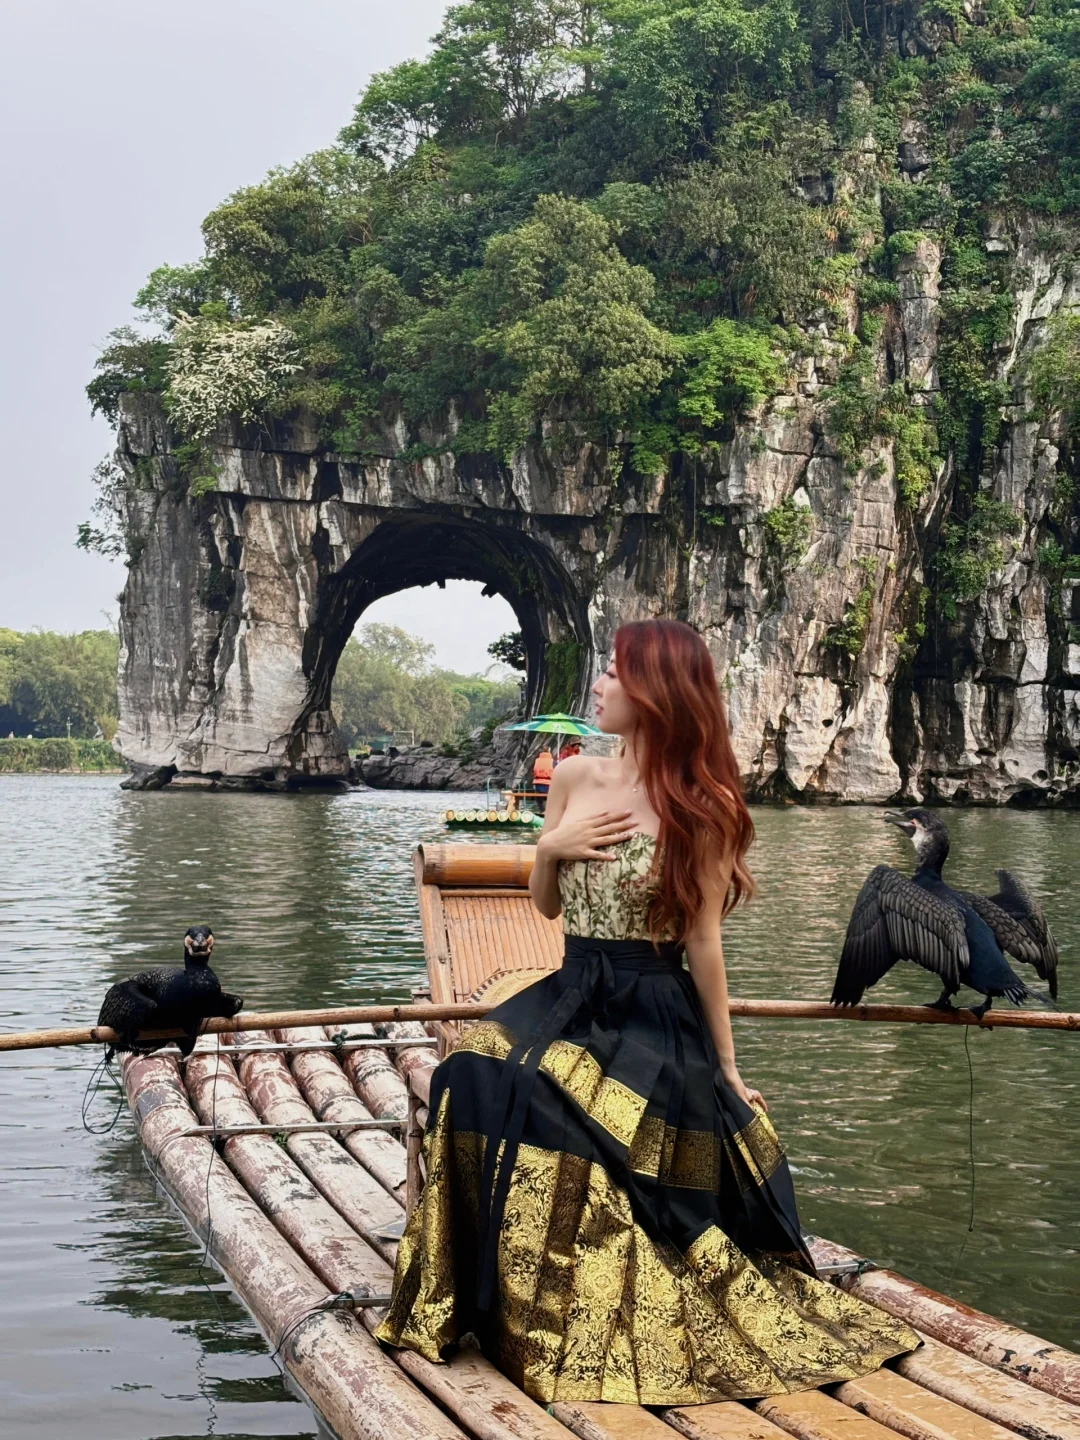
(480, 819)
(293, 1153)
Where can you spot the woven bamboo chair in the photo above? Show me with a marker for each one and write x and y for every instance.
(483, 937)
(484, 940)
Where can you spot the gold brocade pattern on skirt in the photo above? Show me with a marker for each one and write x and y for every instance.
(616, 1107)
(590, 1307)
(638, 1240)
(689, 1158)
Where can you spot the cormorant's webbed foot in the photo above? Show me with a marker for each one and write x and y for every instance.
(943, 1002)
(980, 1010)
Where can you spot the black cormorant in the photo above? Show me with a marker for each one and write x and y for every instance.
(960, 936)
(169, 999)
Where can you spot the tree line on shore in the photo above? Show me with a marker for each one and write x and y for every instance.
(388, 686)
(55, 686)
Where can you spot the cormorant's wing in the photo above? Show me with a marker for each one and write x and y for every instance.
(129, 1004)
(1019, 925)
(867, 953)
(153, 982)
(894, 919)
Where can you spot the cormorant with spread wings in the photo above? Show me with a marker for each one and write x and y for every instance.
(960, 936)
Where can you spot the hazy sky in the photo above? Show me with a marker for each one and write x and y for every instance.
(124, 122)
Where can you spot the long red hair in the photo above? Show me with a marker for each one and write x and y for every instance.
(687, 763)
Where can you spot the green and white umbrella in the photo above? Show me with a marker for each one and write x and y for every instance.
(557, 724)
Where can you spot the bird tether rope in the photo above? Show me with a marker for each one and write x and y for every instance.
(971, 1158)
(90, 1094)
(971, 1129)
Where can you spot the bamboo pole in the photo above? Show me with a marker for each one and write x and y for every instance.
(361, 1185)
(301, 1127)
(326, 1093)
(352, 1383)
(272, 1020)
(907, 1014)
(375, 1014)
(318, 1217)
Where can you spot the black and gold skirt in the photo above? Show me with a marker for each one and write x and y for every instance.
(607, 1217)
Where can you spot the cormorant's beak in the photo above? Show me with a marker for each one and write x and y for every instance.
(894, 817)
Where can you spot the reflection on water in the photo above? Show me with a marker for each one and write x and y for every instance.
(108, 1325)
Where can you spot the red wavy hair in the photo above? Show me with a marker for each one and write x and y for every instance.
(687, 763)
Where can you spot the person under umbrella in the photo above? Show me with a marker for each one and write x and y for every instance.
(543, 768)
(558, 724)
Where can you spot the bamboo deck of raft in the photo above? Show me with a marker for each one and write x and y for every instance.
(295, 1218)
(276, 1160)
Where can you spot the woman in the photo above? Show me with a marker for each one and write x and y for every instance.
(607, 1205)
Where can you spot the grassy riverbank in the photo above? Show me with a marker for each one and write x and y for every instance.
(28, 757)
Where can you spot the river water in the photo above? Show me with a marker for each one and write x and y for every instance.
(110, 1327)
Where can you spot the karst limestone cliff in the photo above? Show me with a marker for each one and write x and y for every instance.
(806, 573)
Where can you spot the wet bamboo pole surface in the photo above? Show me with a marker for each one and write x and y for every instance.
(383, 1014)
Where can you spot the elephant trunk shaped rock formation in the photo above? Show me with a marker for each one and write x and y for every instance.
(806, 577)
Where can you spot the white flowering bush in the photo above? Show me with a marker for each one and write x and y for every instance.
(219, 369)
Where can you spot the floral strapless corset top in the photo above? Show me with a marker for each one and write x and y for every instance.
(610, 899)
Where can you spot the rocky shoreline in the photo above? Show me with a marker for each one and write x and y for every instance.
(428, 770)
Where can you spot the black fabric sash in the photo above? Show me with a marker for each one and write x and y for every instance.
(595, 962)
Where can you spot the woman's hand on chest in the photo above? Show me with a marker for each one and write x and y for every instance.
(585, 837)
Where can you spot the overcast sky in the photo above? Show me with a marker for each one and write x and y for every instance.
(124, 122)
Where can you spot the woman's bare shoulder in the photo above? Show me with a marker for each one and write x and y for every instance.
(577, 770)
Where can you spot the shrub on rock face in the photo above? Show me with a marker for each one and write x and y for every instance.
(219, 369)
(1055, 368)
(728, 368)
(972, 549)
(789, 527)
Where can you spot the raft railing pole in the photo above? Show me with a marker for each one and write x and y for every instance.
(380, 1014)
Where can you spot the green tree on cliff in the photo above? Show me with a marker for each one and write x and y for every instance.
(611, 219)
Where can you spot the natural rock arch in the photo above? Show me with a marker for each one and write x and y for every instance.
(239, 603)
(423, 548)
